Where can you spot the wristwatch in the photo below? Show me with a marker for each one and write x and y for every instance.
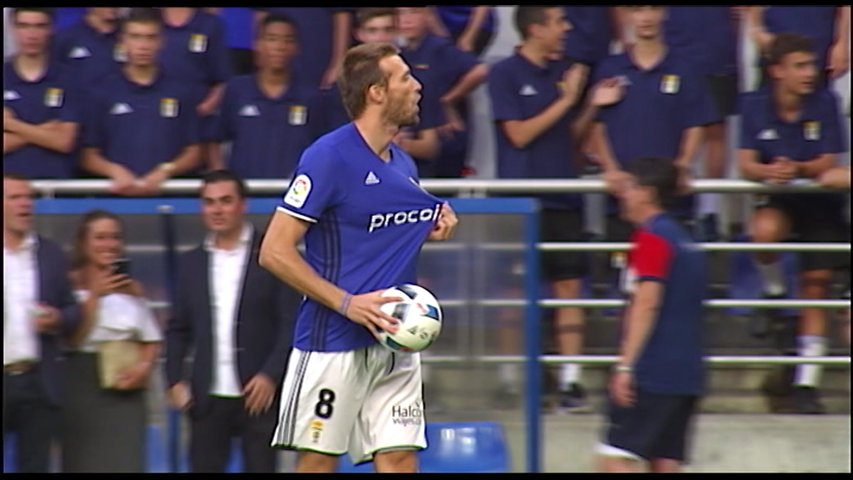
(623, 369)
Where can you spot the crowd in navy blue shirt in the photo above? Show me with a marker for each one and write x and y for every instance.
(211, 50)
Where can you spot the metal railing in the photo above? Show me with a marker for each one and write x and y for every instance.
(461, 186)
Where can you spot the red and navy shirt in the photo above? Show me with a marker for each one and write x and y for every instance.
(672, 360)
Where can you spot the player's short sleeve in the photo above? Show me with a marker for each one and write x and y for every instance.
(833, 136)
(698, 108)
(315, 184)
(190, 119)
(749, 109)
(69, 110)
(220, 59)
(651, 256)
(503, 92)
(227, 112)
(95, 118)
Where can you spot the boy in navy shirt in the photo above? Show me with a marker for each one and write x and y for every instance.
(448, 75)
(195, 53)
(356, 201)
(664, 106)
(89, 49)
(827, 26)
(142, 129)
(708, 37)
(264, 115)
(791, 130)
(660, 375)
(534, 101)
(328, 112)
(325, 37)
(40, 116)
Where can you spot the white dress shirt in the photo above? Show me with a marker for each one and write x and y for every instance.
(120, 317)
(20, 295)
(226, 284)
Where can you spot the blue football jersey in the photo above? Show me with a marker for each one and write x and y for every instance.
(370, 219)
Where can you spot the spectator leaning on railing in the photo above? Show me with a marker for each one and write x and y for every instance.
(792, 130)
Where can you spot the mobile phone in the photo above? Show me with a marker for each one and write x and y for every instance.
(121, 266)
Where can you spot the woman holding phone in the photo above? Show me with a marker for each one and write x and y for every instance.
(111, 355)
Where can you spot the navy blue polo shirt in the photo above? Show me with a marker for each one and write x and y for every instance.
(315, 25)
(141, 126)
(239, 23)
(659, 104)
(672, 360)
(520, 90)
(327, 112)
(88, 55)
(268, 134)
(818, 131)
(48, 98)
(196, 54)
(704, 35)
(814, 22)
(592, 30)
(456, 18)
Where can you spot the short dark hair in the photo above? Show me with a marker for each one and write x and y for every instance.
(785, 44)
(277, 18)
(143, 15)
(225, 175)
(361, 70)
(50, 12)
(527, 15)
(659, 173)
(364, 15)
(15, 176)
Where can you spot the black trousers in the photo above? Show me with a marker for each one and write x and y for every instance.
(29, 413)
(211, 432)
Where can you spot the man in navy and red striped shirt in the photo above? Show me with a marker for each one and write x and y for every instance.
(660, 376)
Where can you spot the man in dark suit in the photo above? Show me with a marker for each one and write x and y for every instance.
(39, 310)
(238, 318)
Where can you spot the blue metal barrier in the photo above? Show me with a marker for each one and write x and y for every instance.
(527, 207)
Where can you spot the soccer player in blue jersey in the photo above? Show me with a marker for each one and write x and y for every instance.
(356, 201)
(660, 375)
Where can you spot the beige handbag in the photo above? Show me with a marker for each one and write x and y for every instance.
(115, 356)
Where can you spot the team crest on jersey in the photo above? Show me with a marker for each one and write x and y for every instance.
(670, 84)
(811, 130)
(298, 115)
(299, 191)
(316, 430)
(168, 107)
(198, 43)
(53, 97)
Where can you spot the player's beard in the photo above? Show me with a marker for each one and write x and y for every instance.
(401, 114)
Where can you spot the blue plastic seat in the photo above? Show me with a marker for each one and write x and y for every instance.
(455, 447)
(465, 447)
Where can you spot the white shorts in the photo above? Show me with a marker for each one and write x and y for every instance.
(360, 401)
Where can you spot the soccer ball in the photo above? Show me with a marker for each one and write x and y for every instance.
(420, 319)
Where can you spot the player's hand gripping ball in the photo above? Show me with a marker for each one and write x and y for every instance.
(419, 315)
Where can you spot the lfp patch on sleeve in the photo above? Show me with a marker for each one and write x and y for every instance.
(299, 191)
